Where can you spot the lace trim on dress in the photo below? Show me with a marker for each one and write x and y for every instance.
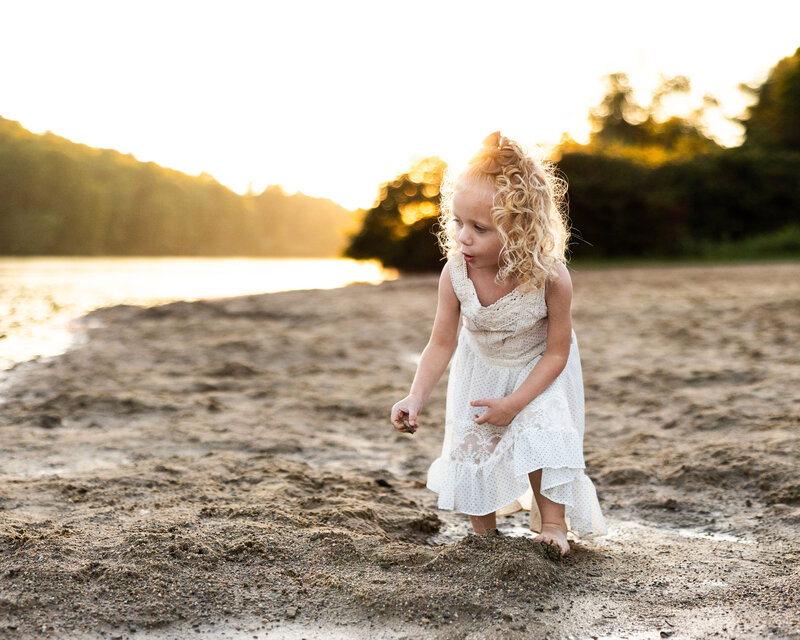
(477, 443)
(510, 302)
(500, 362)
(458, 277)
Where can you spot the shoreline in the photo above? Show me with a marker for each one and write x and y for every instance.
(232, 459)
(43, 295)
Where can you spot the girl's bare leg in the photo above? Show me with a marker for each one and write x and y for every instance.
(554, 527)
(481, 523)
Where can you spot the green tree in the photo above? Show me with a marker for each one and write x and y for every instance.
(59, 197)
(400, 229)
(618, 115)
(621, 127)
(773, 120)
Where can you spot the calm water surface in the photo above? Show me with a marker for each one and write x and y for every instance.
(39, 296)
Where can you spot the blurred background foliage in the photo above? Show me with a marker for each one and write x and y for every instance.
(62, 198)
(647, 184)
(399, 229)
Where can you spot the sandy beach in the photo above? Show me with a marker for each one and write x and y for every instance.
(226, 468)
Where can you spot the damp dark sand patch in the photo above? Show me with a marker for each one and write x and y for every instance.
(228, 465)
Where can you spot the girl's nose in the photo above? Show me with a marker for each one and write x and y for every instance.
(463, 236)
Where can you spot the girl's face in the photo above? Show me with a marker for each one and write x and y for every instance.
(476, 233)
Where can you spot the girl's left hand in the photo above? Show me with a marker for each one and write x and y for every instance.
(500, 413)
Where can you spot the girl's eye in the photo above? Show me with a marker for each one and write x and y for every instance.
(458, 222)
(477, 228)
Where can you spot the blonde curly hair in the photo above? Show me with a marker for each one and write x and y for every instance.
(529, 210)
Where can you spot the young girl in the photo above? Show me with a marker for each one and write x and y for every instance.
(514, 414)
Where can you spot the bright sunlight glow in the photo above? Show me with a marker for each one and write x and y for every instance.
(333, 98)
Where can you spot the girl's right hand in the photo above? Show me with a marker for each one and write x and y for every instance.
(407, 409)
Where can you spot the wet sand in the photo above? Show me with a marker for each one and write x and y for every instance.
(226, 468)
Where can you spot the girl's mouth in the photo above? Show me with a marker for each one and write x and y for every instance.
(468, 258)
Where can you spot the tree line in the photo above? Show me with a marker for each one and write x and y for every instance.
(645, 185)
(59, 197)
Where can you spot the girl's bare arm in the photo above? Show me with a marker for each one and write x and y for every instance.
(442, 342)
(436, 354)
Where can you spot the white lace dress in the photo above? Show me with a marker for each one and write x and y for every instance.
(484, 468)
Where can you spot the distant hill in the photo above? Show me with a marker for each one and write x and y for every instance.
(299, 225)
(58, 197)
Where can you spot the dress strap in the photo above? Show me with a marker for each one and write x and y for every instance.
(458, 276)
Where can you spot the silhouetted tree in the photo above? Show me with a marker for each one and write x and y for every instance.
(616, 118)
(621, 127)
(400, 229)
(650, 185)
(773, 121)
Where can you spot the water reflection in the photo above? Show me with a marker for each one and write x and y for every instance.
(40, 295)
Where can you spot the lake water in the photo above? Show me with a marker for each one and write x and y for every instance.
(39, 296)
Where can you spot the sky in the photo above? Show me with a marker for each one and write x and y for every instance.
(335, 98)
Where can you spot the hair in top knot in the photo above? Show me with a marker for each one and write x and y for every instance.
(493, 156)
(529, 210)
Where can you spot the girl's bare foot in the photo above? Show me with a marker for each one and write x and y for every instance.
(481, 524)
(556, 534)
